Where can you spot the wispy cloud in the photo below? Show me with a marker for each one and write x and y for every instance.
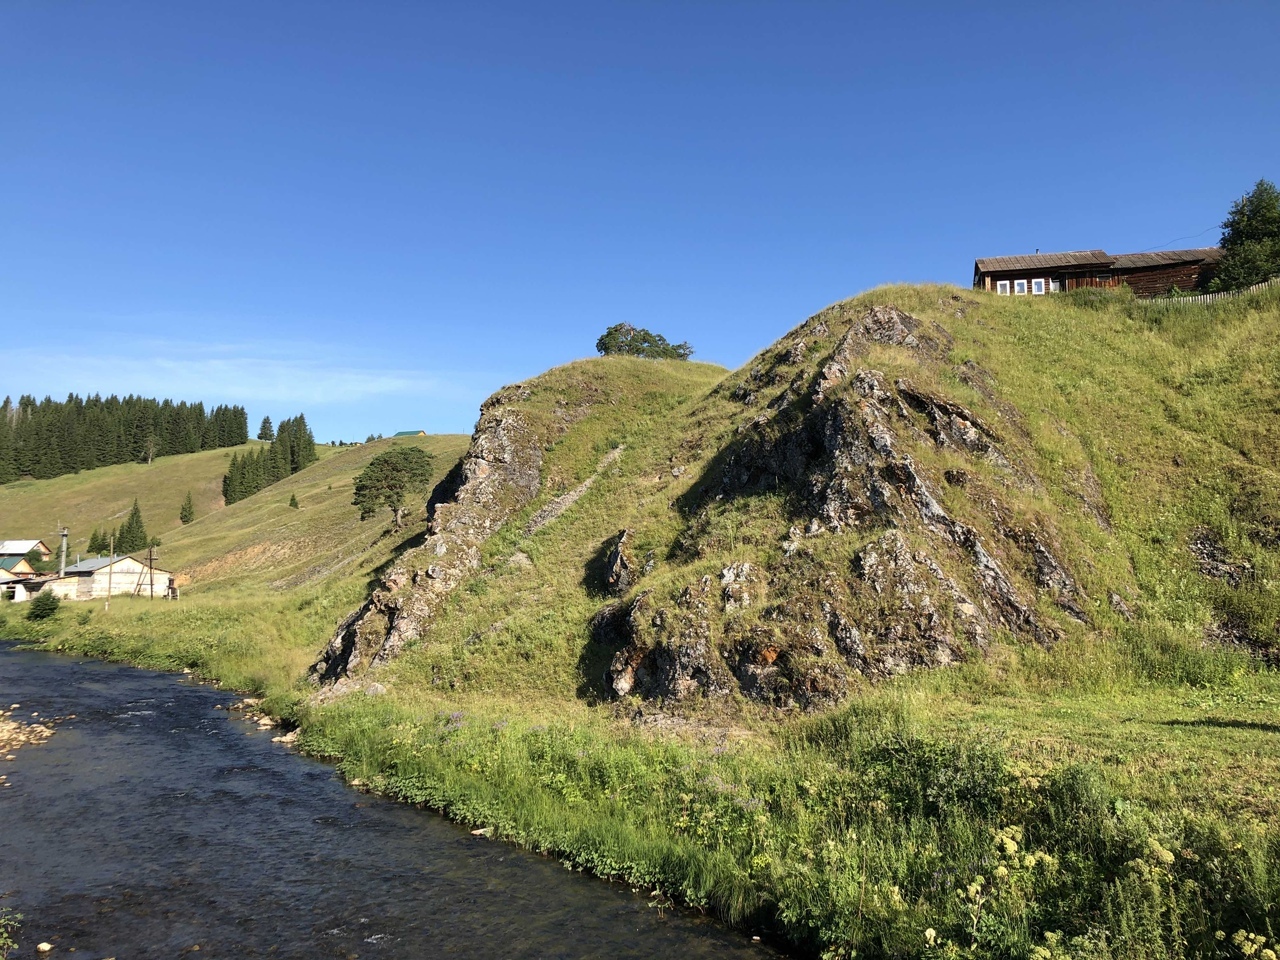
(262, 372)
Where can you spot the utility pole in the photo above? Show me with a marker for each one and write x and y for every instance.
(111, 562)
(62, 563)
(151, 569)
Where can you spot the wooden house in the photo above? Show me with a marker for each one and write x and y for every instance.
(20, 548)
(17, 566)
(1147, 274)
(92, 579)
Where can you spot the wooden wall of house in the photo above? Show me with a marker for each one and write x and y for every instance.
(1156, 281)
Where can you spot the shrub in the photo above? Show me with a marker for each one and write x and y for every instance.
(43, 606)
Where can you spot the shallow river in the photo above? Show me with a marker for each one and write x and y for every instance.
(153, 825)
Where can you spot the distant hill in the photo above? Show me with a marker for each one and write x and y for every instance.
(262, 540)
(102, 497)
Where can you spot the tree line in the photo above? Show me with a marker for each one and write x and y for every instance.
(293, 447)
(50, 438)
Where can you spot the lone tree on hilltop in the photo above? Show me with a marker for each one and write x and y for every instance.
(623, 338)
(1250, 239)
(391, 478)
(188, 511)
(266, 431)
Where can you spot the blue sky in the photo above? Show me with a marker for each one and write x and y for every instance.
(381, 212)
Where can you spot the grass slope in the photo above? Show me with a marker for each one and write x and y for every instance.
(103, 497)
(1112, 796)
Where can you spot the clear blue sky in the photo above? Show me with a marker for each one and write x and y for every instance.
(380, 212)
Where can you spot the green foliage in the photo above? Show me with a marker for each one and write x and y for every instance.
(390, 479)
(293, 448)
(9, 924)
(187, 512)
(43, 605)
(132, 537)
(266, 431)
(293, 500)
(1250, 239)
(624, 339)
(99, 543)
(50, 438)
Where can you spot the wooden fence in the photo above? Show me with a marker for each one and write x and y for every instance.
(1210, 297)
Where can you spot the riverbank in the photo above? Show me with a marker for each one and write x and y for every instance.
(995, 804)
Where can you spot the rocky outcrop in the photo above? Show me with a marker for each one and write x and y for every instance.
(924, 589)
(498, 477)
(620, 573)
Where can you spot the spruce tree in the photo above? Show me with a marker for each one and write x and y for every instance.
(188, 511)
(97, 543)
(266, 431)
(293, 500)
(133, 533)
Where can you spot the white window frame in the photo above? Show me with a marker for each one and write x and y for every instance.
(1055, 286)
(1020, 288)
(1037, 282)
(1002, 288)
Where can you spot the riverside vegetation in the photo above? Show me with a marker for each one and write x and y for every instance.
(945, 627)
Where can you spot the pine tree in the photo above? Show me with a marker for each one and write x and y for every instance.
(266, 431)
(293, 500)
(97, 543)
(188, 511)
(133, 533)
(389, 479)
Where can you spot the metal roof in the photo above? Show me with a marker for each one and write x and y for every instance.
(8, 563)
(19, 548)
(1166, 258)
(1044, 261)
(95, 563)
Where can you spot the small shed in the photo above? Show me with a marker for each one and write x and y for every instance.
(92, 579)
(20, 548)
(410, 433)
(17, 589)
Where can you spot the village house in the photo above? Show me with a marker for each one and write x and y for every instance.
(15, 588)
(92, 579)
(1147, 274)
(17, 566)
(409, 433)
(20, 548)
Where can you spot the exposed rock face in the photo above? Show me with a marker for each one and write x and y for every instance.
(620, 569)
(499, 476)
(835, 439)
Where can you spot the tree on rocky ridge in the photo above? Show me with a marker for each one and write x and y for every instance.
(623, 338)
(1250, 239)
(390, 479)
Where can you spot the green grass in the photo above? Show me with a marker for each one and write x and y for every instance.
(1114, 796)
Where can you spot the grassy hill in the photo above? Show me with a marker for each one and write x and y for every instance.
(944, 640)
(103, 497)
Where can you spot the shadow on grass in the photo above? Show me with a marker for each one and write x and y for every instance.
(1220, 723)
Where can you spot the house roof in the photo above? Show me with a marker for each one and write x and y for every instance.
(410, 433)
(1038, 261)
(1165, 258)
(19, 548)
(8, 563)
(1096, 258)
(93, 563)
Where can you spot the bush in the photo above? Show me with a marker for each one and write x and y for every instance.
(43, 606)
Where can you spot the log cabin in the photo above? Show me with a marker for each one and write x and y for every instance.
(1147, 274)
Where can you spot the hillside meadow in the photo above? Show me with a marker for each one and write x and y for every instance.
(1111, 794)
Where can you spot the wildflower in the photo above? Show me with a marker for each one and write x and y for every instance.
(930, 936)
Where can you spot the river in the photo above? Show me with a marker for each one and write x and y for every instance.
(154, 825)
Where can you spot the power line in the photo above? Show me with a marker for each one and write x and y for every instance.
(1178, 239)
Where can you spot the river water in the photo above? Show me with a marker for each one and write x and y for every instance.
(153, 825)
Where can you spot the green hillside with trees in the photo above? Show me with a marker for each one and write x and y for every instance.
(50, 438)
(945, 627)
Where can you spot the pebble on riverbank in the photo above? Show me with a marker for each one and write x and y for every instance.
(14, 734)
